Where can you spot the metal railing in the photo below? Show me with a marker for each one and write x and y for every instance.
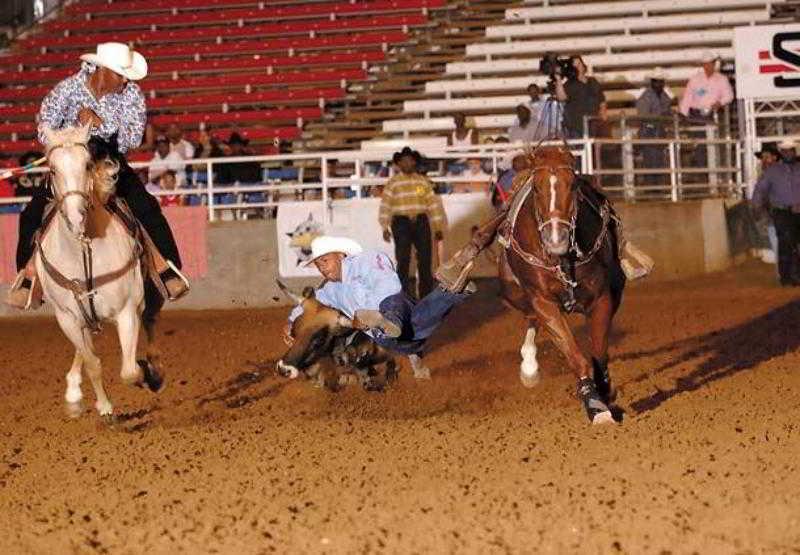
(683, 182)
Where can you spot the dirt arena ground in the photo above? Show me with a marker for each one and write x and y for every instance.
(232, 459)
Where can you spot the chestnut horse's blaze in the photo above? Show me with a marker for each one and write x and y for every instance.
(563, 256)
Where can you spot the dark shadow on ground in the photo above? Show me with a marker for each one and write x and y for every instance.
(728, 351)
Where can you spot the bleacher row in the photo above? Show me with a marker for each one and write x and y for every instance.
(261, 68)
(621, 41)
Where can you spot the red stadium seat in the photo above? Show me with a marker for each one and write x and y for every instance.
(16, 147)
(257, 116)
(26, 93)
(268, 13)
(26, 111)
(189, 50)
(216, 65)
(85, 8)
(255, 98)
(230, 31)
(249, 80)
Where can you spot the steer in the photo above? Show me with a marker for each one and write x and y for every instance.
(321, 331)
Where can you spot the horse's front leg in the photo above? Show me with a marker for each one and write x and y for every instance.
(128, 326)
(529, 369)
(549, 313)
(82, 340)
(600, 317)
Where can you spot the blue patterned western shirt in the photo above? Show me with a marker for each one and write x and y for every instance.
(122, 113)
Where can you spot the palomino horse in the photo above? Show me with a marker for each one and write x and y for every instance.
(562, 256)
(90, 268)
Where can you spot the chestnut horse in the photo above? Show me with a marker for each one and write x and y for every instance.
(561, 256)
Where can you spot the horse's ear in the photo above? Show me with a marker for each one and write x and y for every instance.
(84, 132)
(49, 136)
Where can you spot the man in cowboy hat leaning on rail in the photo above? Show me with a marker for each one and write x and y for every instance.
(102, 95)
(778, 189)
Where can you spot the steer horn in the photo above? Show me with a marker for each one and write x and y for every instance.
(295, 298)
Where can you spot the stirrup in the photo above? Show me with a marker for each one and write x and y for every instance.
(182, 277)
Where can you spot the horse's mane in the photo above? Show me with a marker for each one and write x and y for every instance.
(103, 173)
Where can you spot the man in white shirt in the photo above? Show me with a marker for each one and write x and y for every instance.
(524, 130)
(178, 144)
(165, 159)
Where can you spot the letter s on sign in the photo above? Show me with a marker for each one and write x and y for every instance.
(786, 56)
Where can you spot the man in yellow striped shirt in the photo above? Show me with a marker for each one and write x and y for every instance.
(410, 210)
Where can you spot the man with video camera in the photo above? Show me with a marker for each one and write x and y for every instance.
(583, 95)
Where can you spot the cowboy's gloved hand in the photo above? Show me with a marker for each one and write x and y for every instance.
(387, 235)
(439, 236)
(87, 116)
(359, 325)
(288, 338)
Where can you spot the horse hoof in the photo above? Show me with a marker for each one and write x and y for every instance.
(151, 376)
(73, 410)
(423, 373)
(604, 417)
(529, 380)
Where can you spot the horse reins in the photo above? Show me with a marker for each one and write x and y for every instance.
(86, 288)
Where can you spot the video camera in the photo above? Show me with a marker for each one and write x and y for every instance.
(551, 65)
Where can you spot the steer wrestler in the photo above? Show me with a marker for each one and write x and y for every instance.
(366, 288)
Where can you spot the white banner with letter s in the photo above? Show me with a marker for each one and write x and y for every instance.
(768, 61)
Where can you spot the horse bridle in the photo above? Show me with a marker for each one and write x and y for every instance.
(555, 219)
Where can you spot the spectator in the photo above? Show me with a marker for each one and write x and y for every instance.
(768, 155)
(547, 112)
(336, 171)
(706, 91)
(584, 98)
(474, 171)
(652, 107)
(178, 144)
(409, 211)
(239, 172)
(164, 159)
(462, 135)
(169, 182)
(524, 130)
(778, 189)
(503, 161)
(503, 186)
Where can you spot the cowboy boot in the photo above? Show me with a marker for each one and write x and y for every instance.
(635, 262)
(24, 293)
(454, 274)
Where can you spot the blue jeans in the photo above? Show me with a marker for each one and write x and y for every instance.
(418, 319)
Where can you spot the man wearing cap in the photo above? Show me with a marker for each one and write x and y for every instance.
(652, 107)
(365, 287)
(778, 189)
(103, 96)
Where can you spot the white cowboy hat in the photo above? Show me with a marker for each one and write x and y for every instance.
(325, 244)
(658, 74)
(120, 59)
(708, 56)
(787, 144)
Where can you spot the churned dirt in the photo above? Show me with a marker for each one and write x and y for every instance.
(231, 458)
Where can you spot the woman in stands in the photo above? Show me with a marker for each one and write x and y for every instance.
(102, 94)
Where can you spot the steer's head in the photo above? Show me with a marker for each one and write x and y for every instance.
(313, 331)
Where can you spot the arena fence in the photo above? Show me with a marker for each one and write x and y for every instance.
(691, 169)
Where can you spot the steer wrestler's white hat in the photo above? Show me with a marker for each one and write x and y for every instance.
(787, 144)
(120, 59)
(325, 244)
